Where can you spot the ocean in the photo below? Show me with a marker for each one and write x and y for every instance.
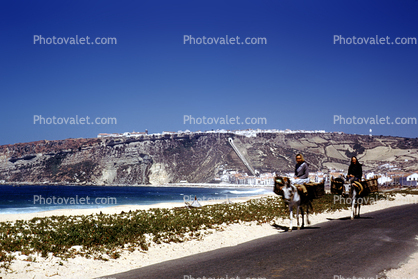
(36, 198)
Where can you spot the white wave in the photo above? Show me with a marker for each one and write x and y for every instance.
(242, 192)
(17, 210)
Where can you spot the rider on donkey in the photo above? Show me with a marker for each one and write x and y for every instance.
(355, 172)
(301, 172)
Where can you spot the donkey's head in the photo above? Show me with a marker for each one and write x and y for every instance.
(279, 183)
(289, 191)
(346, 189)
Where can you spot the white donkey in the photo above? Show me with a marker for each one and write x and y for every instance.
(353, 193)
(292, 198)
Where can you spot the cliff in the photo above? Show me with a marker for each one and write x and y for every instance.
(193, 157)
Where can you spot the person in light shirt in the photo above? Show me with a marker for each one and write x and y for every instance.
(301, 172)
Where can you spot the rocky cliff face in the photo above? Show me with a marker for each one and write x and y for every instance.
(193, 157)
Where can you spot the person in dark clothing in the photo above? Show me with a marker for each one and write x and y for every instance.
(355, 171)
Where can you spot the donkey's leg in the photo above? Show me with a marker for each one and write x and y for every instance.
(291, 217)
(353, 201)
(356, 204)
(359, 205)
(303, 217)
(355, 208)
(307, 213)
(297, 214)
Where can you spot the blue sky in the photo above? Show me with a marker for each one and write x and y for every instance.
(150, 79)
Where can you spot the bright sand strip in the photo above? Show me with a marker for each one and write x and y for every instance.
(88, 268)
(112, 209)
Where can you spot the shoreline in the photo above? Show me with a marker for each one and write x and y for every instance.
(11, 217)
(382, 188)
(76, 207)
(210, 240)
(192, 185)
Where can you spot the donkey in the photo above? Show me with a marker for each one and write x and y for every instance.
(351, 191)
(292, 198)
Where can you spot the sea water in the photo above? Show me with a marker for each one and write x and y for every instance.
(36, 198)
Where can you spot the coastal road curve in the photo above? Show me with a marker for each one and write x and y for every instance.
(339, 248)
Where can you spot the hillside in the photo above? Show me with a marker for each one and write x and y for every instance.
(195, 157)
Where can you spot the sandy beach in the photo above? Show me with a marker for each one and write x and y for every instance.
(113, 209)
(79, 267)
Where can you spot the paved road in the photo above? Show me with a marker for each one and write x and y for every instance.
(362, 248)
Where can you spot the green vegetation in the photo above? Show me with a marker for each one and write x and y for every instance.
(104, 236)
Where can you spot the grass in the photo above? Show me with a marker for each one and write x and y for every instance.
(105, 236)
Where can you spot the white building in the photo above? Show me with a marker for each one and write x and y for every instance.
(105, 135)
(412, 177)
